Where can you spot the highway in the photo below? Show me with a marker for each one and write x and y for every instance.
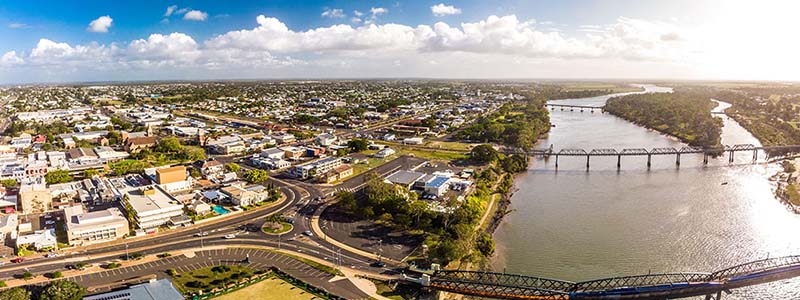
(300, 202)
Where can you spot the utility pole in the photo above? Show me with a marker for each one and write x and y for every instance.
(279, 241)
(127, 257)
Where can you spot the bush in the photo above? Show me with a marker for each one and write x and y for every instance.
(27, 275)
(56, 274)
(62, 290)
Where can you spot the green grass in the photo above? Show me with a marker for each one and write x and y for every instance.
(207, 278)
(458, 146)
(285, 227)
(430, 154)
(269, 289)
(400, 293)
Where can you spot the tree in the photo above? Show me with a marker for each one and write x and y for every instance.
(485, 244)
(114, 137)
(62, 290)
(193, 153)
(255, 176)
(483, 153)
(90, 173)
(233, 167)
(8, 183)
(27, 275)
(16, 293)
(514, 163)
(358, 145)
(57, 176)
(169, 145)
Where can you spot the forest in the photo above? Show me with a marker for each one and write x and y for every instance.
(517, 124)
(684, 114)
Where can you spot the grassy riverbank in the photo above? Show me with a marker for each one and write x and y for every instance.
(679, 114)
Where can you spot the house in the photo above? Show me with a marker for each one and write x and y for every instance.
(199, 207)
(41, 239)
(338, 173)
(8, 227)
(136, 144)
(246, 196)
(269, 163)
(284, 138)
(86, 228)
(384, 153)
(325, 139)
(211, 168)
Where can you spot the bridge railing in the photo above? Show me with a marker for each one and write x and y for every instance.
(757, 267)
(641, 281)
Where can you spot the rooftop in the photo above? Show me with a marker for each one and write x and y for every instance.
(405, 177)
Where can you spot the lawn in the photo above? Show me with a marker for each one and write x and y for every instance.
(208, 278)
(430, 154)
(269, 289)
(458, 146)
(285, 227)
(364, 167)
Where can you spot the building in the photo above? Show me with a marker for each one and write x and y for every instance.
(199, 207)
(41, 239)
(35, 197)
(156, 289)
(8, 227)
(325, 139)
(106, 154)
(315, 168)
(413, 141)
(86, 228)
(81, 155)
(270, 163)
(405, 178)
(245, 196)
(384, 153)
(284, 138)
(211, 168)
(136, 144)
(437, 185)
(152, 207)
(274, 153)
(173, 179)
(338, 173)
(293, 153)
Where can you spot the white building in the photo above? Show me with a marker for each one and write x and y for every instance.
(152, 207)
(384, 153)
(85, 228)
(39, 240)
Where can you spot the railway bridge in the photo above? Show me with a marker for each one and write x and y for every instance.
(706, 152)
(649, 286)
(573, 107)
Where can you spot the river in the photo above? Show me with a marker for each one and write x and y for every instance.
(574, 224)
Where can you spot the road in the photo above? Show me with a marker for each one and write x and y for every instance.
(299, 201)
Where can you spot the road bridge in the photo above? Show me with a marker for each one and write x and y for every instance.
(706, 152)
(572, 107)
(649, 286)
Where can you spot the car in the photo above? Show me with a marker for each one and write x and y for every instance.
(17, 260)
(49, 222)
(71, 267)
(378, 264)
(317, 198)
(230, 236)
(49, 255)
(199, 234)
(308, 233)
(290, 220)
(47, 216)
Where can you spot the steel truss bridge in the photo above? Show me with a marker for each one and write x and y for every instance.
(572, 107)
(667, 151)
(650, 286)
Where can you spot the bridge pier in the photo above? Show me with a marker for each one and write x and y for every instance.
(619, 161)
(713, 297)
(556, 160)
(755, 156)
(649, 156)
(730, 157)
(705, 158)
(587, 162)
(678, 159)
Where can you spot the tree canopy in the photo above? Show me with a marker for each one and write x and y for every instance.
(62, 290)
(256, 176)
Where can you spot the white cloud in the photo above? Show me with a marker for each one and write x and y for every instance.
(17, 25)
(100, 24)
(333, 13)
(444, 10)
(195, 15)
(358, 13)
(10, 58)
(377, 11)
(165, 49)
(170, 9)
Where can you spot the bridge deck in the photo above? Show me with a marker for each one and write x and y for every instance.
(650, 286)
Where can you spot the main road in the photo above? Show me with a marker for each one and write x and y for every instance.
(301, 201)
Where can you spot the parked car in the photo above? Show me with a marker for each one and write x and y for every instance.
(49, 222)
(17, 260)
(308, 233)
(230, 236)
(51, 255)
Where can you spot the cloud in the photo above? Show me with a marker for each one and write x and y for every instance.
(100, 24)
(170, 9)
(333, 13)
(195, 15)
(163, 49)
(18, 26)
(441, 9)
(358, 13)
(10, 58)
(377, 11)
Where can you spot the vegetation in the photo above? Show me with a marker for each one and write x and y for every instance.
(129, 166)
(8, 183)
(792, 194)
(57, 176)
(517, 124)
(358, 144)
(232, 167)
(685, 115)
(16, 293)
(269, 289)
(112, 265)
(210, 278)
(256, 176)
(27, 275)
(62, 290)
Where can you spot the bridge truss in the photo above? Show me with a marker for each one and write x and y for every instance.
(649, 286)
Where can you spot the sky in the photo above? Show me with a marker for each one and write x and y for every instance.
(74, 41)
